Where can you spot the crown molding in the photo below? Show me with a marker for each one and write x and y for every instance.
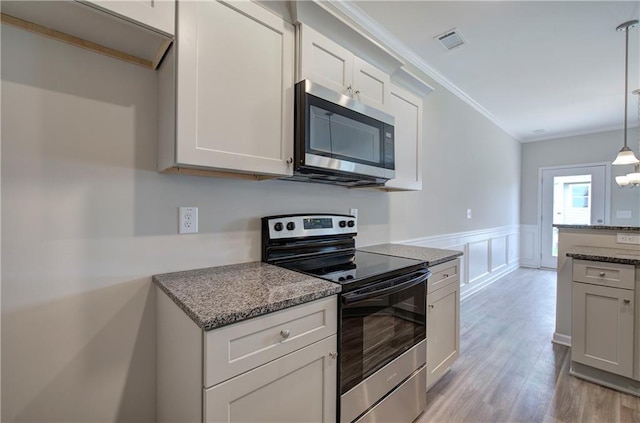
(569, 134)
(376, 31)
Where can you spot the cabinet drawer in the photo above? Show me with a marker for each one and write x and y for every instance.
(443, 274)
(234, 349)
(606, 274)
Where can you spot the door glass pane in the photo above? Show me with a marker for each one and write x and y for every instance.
(571, 203)
(338, 135)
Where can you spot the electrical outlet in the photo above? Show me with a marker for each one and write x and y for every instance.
(353, 212)
(187, 220)
(622, 238)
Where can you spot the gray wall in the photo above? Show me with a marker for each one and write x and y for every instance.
(592, 148)
(469, 163)
(87, 220)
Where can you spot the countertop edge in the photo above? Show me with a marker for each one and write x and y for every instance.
(598, 227)
(604, 254)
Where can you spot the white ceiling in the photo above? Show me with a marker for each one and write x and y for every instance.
(528, 65)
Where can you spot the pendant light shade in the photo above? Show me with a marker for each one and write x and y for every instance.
(626, 156)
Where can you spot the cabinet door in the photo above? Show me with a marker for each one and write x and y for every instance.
(443, 331)
(602, 328)
(407, 109)
(371, 85)
(325, 62)
(159, 15)
(234, 88)
(299, 387)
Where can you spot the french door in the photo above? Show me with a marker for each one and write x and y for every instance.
(575, 195)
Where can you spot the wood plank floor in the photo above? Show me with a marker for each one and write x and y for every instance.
(509, 371)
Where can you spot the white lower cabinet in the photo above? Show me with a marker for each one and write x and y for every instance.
(279, 367)
(443, 320)
(299, 387)
(603, 317)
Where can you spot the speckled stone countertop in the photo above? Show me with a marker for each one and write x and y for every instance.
(219, 296)
(608, 255)
(431, 256)
(600, 227)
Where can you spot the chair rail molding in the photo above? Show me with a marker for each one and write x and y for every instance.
(489, 254)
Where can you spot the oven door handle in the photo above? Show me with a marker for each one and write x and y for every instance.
(371, 292)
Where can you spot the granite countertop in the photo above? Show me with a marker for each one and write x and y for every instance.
(219, 296)
(431, 256)
(608, 255)
(599, 227)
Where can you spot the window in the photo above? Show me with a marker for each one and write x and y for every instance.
(580, 196)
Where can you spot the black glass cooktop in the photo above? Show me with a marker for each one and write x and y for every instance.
(357, 267)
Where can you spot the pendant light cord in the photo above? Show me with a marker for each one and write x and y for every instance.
(626, 82)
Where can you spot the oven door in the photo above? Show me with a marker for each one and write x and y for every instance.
(379, 323)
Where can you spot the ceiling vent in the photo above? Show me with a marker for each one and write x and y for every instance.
(451, 39)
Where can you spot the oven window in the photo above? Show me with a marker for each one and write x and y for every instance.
(376, 331)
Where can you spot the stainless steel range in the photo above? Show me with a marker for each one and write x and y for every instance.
(382, 332)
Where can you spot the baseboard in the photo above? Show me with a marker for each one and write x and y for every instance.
(561, 339)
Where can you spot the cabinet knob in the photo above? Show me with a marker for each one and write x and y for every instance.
(602, 274)
(285, 333)
(431, 306)
(445, 275)
(290, 160)
(357, 92)
(333, 355)
(627, 301)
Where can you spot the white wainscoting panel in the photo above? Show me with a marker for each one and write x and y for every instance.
(513, 247)
(530, 246)
(478, 259)
(489, 254)
(498, 252)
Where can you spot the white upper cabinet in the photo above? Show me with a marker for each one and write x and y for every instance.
(234, 91)
(331, 65)
(155, 14)
(407, 110)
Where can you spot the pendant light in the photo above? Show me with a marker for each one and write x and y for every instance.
(632, 179)
(626, 156)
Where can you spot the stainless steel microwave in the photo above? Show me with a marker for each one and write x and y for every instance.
(339, 140)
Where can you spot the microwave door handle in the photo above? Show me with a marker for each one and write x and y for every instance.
(354, 297)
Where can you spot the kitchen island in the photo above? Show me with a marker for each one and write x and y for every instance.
(605, 321)
(570, 236)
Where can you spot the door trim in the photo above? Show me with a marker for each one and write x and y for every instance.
(607, 195)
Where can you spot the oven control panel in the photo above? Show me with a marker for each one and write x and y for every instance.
(301, 226)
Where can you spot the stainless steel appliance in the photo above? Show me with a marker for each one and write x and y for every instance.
(339, 140)
(382, 332)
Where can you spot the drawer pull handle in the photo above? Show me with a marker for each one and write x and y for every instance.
(602, 274)
(627, 301)
(333, 355)
(445, 275)
(285, 333)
